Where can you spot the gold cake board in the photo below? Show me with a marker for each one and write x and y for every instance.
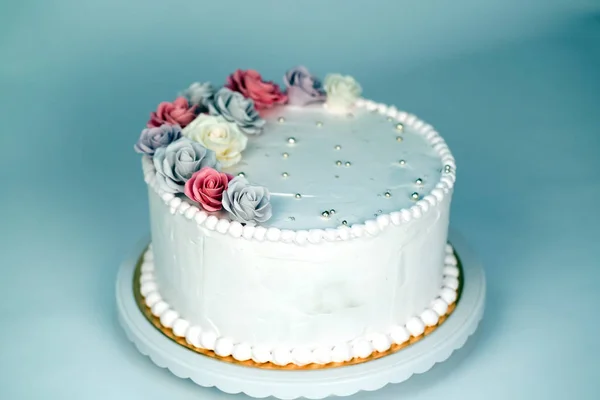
(168, 332)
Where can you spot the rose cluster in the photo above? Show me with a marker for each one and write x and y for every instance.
(204, 130)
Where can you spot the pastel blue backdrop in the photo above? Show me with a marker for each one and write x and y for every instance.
(513, 86)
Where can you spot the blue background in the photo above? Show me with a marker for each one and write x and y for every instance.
(513, 86)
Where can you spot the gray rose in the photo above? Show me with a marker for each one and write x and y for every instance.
(176, 163)
(234, 107)
(302, 87)
(153, 138)
(199, 94)
(246, 203)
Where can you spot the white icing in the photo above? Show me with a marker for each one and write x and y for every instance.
(282, 356)
(147, 267)
(248, 232)
(208, 340)
(450, 259)
(183, 207)
(147, 287)
(235, 229)
(191, 212)
(211, 222)
(180, 327)
(200, 217)
(321, 355)
(448, 295)
(261, 354)
(167, 197)
(399, 334)
(359, 347)
(152, 298)
(259, 233)
(439, 306)
(175, 202)
(146, 277)
(450, 282)
(415, 326)
(381, 342)
(301, 356)
(242, 352)
(159, 308)
(450, 270)
(341, 353)
(223, 347)
(301, 237)
(168, 318)
(362, 348)
(273, 234)
(429, 317)
(222, 226)
(192, 336)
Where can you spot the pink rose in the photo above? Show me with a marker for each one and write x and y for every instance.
(177, 113)
(206, 187)
(250, 84)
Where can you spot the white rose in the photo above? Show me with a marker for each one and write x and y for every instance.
(218, 135)
(342, 91)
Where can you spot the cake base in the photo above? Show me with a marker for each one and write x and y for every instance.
(396, 367)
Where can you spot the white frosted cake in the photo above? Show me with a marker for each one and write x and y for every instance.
(297, 225)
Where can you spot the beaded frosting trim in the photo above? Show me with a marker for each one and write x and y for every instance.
(355, 350)
(371, 227)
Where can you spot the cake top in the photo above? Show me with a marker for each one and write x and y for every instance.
(324, 170)
(310, 156)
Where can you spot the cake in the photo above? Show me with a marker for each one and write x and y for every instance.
(295, 226)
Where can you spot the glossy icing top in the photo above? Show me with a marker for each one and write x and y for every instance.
(305, 151)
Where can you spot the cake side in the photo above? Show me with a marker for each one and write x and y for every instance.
(275, 294)
(363, 348)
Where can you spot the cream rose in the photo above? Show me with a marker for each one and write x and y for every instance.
(218, 135)
(342, 91)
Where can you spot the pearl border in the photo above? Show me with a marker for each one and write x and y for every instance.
(372, 227)
(360, 347)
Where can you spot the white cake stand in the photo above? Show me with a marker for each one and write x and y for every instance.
(311, 384)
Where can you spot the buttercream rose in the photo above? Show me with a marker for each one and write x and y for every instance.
(199, 94)
(177, 162)
(218, 135)
(179, 112)
(342, 91)
(237, 109)
(302, 87)
(206, 187)
(246, 203)
(153, 138)
(250, 84)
